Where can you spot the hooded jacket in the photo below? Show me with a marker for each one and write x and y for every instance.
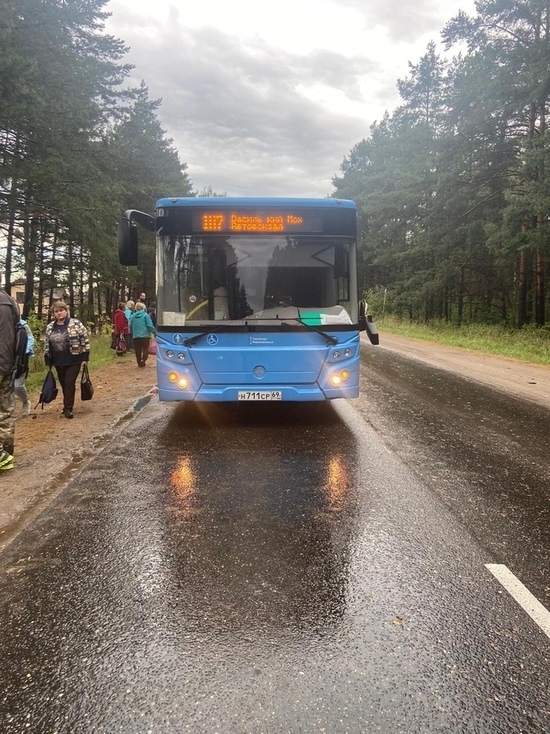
(9, 317)
(30, 337)
(141, 325)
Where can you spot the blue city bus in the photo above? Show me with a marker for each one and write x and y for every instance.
(256, 297)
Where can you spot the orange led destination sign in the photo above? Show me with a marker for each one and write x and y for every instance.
(244, 222)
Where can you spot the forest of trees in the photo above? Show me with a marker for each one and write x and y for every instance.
(454, 186)
(77, 147)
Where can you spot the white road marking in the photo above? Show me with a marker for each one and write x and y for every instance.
(522, 595)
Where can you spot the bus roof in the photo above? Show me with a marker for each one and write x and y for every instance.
(253, 201)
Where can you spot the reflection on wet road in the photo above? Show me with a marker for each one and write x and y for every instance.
(258, 569)
(261, 514)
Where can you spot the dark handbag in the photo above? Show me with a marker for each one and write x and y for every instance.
(114, 341)
(121, 347)
(86, 387)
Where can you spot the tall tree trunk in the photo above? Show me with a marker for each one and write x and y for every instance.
(523, 267)
(460, 297)
(540, 289)
(10, 238)
(54, 267)
(30, 248)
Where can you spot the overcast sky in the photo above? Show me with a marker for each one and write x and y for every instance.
(265, 98)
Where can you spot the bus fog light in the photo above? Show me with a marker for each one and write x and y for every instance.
(344, 374)
(183, 382)
(336, 380)
(172, 376)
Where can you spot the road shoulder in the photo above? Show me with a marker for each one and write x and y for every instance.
(527, 381)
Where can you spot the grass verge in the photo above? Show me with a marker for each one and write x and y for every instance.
(529, 344)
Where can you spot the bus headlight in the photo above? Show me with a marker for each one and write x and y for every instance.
(337, 378)
(181, 381)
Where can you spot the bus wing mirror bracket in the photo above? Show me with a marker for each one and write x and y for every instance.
(367, 324)
(127, 235)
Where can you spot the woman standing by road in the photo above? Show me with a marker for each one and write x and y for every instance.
(120, 325)
(66, 347)
(142, 328)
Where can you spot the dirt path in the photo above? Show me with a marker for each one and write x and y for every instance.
(50, 450)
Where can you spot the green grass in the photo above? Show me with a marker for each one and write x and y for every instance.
(528, 345)
(101, 355)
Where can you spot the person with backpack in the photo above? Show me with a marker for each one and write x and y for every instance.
(20, 389)
(9, 318)
(66, 347)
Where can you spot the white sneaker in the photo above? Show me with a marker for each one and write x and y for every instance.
(26, 409)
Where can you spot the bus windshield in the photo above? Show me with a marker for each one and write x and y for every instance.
(265, 279)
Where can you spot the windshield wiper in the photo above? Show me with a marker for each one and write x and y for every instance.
(329, 338)
(194, 339)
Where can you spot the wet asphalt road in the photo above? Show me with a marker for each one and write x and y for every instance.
(291, 568)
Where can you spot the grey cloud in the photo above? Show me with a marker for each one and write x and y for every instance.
(405, 21)
(237, 117)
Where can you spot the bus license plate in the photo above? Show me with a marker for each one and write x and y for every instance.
(257, 395)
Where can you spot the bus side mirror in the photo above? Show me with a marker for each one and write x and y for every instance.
(372, 331)
(362, 315)
(367, 324)
(127, 242)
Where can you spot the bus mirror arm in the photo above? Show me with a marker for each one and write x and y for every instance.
(145, 220)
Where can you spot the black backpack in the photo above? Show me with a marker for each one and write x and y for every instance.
(21, 365)
(49, 390)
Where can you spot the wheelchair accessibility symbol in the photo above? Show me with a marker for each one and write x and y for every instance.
(212, 339)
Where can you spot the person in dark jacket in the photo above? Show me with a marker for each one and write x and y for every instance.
(142, 328)
(66, 347)
(9, 317)
(152, 311)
